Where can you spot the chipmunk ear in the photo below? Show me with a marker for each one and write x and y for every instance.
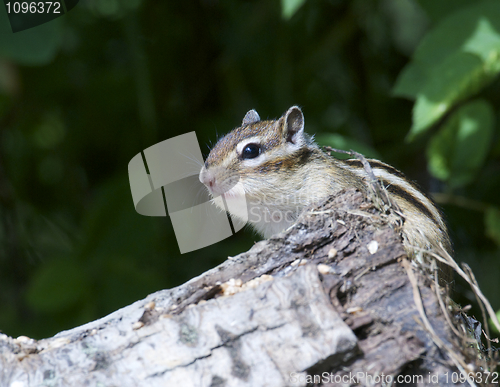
(251, 117)
(294, 125)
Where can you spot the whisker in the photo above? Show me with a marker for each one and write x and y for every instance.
(194, 159)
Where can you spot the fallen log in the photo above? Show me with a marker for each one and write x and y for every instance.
(332, 301)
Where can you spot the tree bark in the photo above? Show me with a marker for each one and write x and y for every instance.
(331, 301)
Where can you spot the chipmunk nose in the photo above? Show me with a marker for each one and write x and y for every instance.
(207, 178)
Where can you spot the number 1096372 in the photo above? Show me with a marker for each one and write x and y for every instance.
(34, 7)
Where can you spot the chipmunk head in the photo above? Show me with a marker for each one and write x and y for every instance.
(264, 171)
(255, 148)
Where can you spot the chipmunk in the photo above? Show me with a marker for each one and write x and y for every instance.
(280, 171)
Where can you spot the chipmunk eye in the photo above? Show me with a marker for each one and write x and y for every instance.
(251, 151)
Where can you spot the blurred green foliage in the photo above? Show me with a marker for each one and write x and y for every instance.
(83, 94)
(457, 151)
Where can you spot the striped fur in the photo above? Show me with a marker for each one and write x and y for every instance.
(424, 225)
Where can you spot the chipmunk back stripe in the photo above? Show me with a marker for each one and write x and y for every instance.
(378, 164)
(409, 198)
(396, 183)
(413, 192)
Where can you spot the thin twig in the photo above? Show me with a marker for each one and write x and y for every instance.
(451, 262)
(443, 306)
(473, 279)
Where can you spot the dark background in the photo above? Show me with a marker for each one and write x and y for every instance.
(83, 94)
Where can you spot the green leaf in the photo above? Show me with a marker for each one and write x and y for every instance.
(454, 61)
(35, 46)
(56, 285)
(458, 150)
(338, 141)
(410, 81)
(492, 224)
(289, 7)
(485, 43)
(459, 32)
(460, 75)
